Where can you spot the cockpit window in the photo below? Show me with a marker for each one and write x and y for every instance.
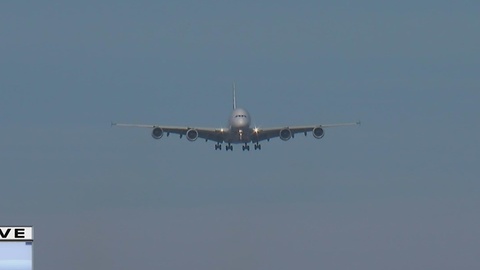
(240, 115)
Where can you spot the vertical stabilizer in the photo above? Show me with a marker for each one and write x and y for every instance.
(234, 97)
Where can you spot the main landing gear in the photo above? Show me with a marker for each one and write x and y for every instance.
(256, 146)
(246, 147)
(218, 146)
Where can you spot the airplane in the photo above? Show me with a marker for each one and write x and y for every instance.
(238, 131)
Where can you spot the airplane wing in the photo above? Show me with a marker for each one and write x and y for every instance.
(286, 133)
(192, 133)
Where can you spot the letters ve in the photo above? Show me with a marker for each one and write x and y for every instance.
(19, 233)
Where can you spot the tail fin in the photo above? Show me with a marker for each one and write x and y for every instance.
(234, 98)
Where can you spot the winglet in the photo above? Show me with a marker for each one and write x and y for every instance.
(234, 98)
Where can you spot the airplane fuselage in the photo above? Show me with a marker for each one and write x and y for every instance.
(239, 130)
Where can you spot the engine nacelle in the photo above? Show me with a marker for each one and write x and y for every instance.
(157, 133)
(285, 134)
(318, 133)
(192, 135)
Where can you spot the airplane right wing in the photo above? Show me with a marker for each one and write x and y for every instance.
(212, 134)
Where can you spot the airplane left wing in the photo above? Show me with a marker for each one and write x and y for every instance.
(285, 133)
(192, 133)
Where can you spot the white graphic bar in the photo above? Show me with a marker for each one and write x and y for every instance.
(16, 233)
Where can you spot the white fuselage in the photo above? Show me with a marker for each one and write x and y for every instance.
(239, 127)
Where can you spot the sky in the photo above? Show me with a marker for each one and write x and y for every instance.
(398, 192)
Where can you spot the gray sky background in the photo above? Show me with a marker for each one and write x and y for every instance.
(399, 192)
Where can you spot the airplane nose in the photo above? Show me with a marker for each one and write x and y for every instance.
(240, 123)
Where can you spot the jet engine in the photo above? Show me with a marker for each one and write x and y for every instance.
(192, 135)
(318, 133)
(285, 134)
(157, 133)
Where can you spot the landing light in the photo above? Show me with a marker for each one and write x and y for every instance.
(255, 130)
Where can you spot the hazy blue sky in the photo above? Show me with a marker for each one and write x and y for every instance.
(399, 192)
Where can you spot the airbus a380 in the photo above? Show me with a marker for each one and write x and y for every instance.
(238, 131)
